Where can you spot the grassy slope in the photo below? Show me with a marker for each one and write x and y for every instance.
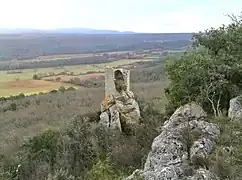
(36, 114)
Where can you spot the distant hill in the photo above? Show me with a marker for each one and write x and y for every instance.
(62, 31)
(81, 31)
(39, 43)
(89, 31)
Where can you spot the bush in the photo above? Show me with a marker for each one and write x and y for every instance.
(53, 91)
(13, 107)
(212, 74)
(60, 175)
(70, 89)
(103, 170)
(83, 149)
(44, 148)
(62, 89)
(226, 157)
(36, 77)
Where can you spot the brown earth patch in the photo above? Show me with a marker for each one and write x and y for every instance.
(31, 84)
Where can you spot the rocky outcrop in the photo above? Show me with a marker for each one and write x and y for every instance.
(181, 150)
(119, 106)
(235, 108)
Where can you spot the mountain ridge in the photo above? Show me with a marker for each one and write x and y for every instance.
(62, 30)
(72, 31)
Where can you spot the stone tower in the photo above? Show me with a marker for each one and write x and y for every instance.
(109, 79)
(118, 103)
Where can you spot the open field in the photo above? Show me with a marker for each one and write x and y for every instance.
(66, 78)
(12, 84)
(70, 56)
(28, 73)
(28, 87)
(62, 56)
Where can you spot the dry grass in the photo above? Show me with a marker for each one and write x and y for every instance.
(57, 110)
(9, 88)
(61, 56)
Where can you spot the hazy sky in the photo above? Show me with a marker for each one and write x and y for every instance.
(123, 15)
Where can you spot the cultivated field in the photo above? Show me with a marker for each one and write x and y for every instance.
(13, 84)
(28, 87)
(64, 78)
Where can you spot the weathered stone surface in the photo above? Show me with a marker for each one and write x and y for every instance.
(203, 174)
(125, 106)
(235, 108)
(110, 120)
(171, 157)
(136, 175)
(119, 100)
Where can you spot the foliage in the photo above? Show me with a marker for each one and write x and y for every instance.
(62, 89)
(70, 89)
(60, 175)
(35, 77)
(226, 157)
(103, 170)
(43, 148)
(82, 149)
(212, 74)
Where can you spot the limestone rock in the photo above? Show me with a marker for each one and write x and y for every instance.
(136, 175)
(235, 108)
(110, 119)
(122, 104)
(203, 174)
(169, 156)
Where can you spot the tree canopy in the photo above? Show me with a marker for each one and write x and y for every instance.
(211, 74)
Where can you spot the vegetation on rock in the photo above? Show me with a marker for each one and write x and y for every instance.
(211, 75)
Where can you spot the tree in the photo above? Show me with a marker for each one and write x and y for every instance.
(35, 77)
(210, 75)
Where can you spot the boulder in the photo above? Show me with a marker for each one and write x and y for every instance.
(181, 150)
(235, 108)
(109, 119)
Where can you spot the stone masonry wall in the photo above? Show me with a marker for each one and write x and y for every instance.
(109, 80)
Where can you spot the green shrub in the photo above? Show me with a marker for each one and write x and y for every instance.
(62, 89)
(210, 75)
(44, 148)
(36, 77)
(53, 91)
(70, 89)
(103, 170)
(60, 175)
(84, 149)
(13, 107)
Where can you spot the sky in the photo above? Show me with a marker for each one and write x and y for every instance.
(154, 16)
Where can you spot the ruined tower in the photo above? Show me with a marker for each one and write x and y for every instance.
(118, 101)
(109, 79)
